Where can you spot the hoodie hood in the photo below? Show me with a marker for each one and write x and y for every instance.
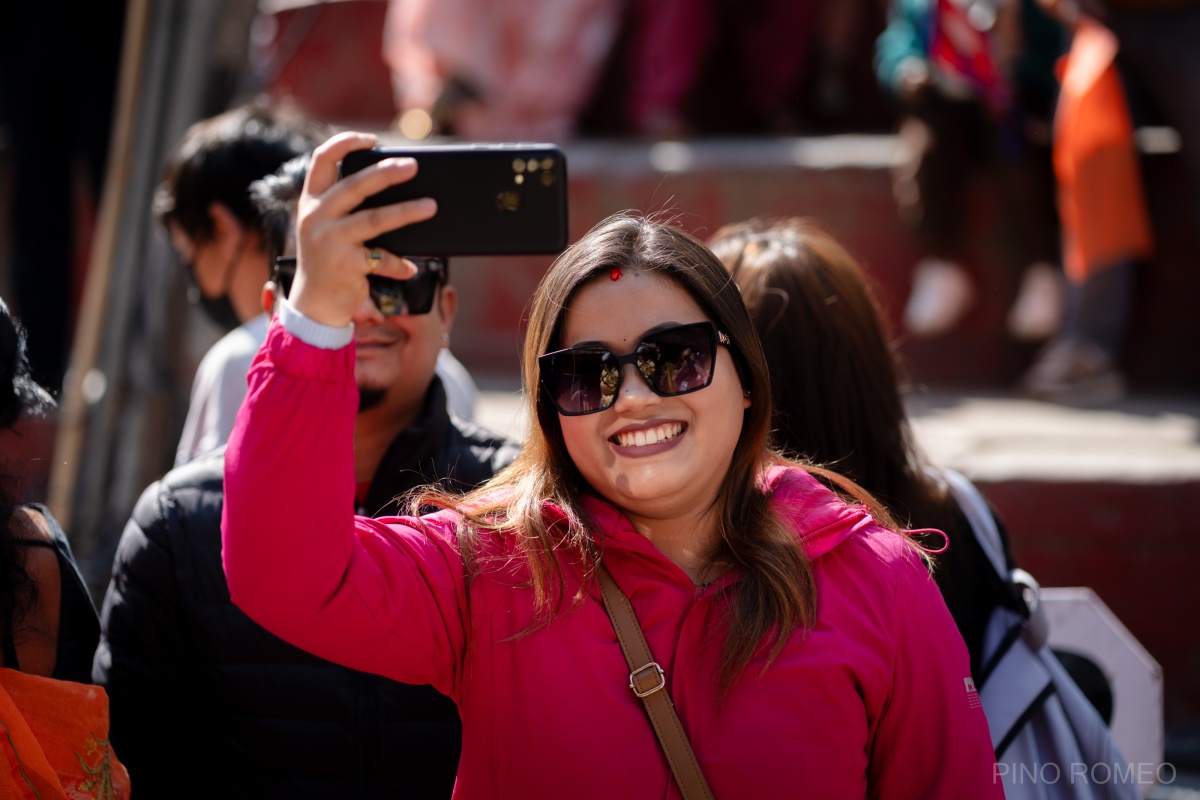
(820, 518)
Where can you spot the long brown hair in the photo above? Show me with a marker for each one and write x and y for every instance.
(835, 375)
(776, 596)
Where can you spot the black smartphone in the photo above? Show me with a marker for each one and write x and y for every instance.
(493, 199)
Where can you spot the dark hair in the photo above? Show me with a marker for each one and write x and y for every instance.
(20, 396)
(218, 158)
(835, 377)
(19, 392)
(777, 595)
(274, 197)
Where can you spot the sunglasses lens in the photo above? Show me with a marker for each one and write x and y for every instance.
(675, 361)
(679, 360)
(581, 380)
(413, 296)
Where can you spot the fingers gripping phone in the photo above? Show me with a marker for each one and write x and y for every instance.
(493, 199)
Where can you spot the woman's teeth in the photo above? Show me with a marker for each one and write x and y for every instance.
(650, 436)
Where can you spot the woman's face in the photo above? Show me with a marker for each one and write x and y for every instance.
(654, 457)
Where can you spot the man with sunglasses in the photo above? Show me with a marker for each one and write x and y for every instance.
(204, 204)
(189, 675)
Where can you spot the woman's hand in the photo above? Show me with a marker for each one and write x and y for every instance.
(332, 261)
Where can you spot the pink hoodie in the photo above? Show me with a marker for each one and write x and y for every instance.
(874, 701)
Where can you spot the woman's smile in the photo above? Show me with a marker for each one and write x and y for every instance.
(646, 440)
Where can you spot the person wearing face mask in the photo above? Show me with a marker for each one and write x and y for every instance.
(203, 203)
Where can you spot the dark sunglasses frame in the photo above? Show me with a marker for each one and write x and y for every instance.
(393, 297)
(648, 369)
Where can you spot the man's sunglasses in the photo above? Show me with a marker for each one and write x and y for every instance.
(390, 295)
(672, 361)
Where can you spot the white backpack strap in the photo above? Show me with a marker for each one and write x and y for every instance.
(1016, 683)
(979, 514)
(987, 533)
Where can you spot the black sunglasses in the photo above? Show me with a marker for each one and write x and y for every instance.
(672, 361)
(390, 295)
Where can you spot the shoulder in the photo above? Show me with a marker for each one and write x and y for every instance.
(32, 523)
(187, 499)
(204, 473)
(33, 529)
(485, 446)
(247, 337)
(238, 347)
(201, 477)
(45, 543)
(44, 527)
(829, 525)
(809, 505)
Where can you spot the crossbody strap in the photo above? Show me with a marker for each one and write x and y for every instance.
(648, 682)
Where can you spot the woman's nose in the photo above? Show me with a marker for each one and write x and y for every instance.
(634, 390)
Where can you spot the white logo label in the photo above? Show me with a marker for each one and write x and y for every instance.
(972, 695)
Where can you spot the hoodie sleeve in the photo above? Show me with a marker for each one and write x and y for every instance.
(383, 598)
(932, 739)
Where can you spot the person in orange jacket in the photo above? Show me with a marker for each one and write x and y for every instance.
(1101, 198)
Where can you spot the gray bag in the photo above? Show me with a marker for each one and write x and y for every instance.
(1050, 741)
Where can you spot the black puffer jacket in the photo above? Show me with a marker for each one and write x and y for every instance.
(205, 703)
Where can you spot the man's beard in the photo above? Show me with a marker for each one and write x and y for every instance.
(369, 398)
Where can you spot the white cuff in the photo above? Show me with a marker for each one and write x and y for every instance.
(312, 332)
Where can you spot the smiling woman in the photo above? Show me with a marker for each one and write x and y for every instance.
(802, 640)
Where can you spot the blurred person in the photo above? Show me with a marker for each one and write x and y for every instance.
(975, 84)
(203, 203)
(836, 385)
(1158, 57)
(1150, 47)
(768, 43)
(769, 602)
(56, 120)
(842, 26)
(57, 724)
(189, 673)
(517, 70)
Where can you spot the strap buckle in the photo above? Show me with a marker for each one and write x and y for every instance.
(634, 679)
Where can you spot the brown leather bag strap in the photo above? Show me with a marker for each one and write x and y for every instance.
(648, 682)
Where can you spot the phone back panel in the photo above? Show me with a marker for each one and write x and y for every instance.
(493, 199)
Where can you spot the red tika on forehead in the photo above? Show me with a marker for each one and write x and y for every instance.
(615, 273)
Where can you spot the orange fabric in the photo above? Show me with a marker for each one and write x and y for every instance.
(54, 741)
(1101, 202)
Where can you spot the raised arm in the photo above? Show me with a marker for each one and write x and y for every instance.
(385, 599)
